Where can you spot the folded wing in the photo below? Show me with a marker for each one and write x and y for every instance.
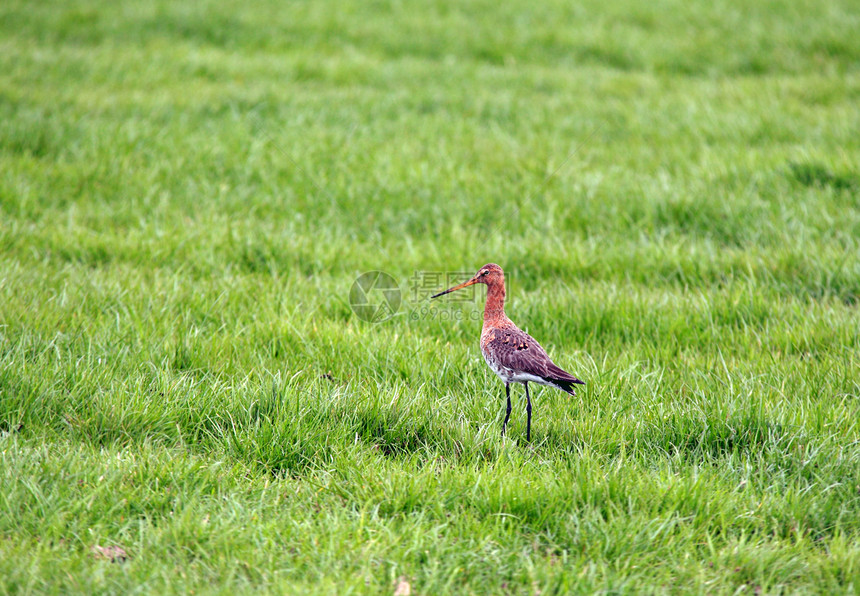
(518, 351)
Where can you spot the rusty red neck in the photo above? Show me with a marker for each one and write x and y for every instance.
(494, 309)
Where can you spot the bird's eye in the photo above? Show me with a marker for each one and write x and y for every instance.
(484, 273)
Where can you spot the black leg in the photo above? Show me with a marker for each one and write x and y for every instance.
(529, 410)
(508, 414)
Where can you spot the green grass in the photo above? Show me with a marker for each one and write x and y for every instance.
(188, 191)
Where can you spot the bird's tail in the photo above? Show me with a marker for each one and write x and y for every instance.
(563, 379)
(566, 385)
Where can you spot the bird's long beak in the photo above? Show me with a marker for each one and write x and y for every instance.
(474, 280)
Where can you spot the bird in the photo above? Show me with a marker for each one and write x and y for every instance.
(511, 353)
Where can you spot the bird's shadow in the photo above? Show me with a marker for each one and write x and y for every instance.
(693, 439)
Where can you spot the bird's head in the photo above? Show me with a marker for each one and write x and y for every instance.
(489, 274)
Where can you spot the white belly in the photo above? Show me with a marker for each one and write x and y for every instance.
(509, 375)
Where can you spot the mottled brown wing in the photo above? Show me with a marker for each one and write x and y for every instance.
(515, 349)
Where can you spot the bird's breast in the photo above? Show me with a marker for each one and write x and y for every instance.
(503, 372)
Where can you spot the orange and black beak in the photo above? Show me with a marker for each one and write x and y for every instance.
(474, 280)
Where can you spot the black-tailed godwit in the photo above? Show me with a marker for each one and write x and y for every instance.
(511, 353)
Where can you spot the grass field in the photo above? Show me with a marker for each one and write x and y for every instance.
(189, 190)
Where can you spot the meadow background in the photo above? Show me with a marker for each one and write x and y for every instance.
(189, 190)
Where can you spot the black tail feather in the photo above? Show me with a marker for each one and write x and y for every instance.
(562, 379)
(566, 384)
